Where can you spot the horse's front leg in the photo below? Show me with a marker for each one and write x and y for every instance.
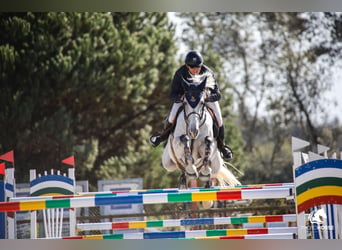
(205, 172)
(190, 168)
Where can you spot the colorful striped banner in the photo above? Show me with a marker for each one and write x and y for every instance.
(318, 182)
(189, 234)
(185, 222)
(271, 193)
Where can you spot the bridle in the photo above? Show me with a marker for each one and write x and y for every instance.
(202, 115)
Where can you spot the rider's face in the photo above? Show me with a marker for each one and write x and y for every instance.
(194, 71)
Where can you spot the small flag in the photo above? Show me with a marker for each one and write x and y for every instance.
(2, 168)
(70, 161)
(7, 157)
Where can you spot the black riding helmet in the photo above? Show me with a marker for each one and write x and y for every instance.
(193, 59)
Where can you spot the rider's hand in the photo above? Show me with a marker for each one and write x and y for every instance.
(180, 99)
(206, 94)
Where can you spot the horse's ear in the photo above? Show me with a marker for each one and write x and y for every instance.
(202, 85)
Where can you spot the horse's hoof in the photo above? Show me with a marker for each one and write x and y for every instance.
(205, 174)
(192, 176)
(191, 171)
(204, 177)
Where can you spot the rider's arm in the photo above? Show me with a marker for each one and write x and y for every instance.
(212, 90)
(213, 95)
(177, 90)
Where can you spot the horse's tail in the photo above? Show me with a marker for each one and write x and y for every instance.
(225, 177)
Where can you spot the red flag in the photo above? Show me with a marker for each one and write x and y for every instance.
(70, 161)
(2, 168)
(8, 157)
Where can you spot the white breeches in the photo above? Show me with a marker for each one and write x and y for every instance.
(213, 105)
(173, 112)
(217, 111)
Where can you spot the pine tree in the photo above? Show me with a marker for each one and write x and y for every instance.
(90, 83)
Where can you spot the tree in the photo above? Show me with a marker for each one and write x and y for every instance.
(88, 83)
(278, 65)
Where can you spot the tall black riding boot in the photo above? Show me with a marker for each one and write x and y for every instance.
(226, 152)
(156, 139)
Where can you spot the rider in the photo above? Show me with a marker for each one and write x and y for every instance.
(192, 69)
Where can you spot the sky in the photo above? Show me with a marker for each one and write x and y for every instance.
(336, 94)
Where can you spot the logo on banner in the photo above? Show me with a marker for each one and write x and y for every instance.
(318, 216)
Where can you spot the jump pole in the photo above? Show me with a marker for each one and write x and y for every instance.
(146, 199)
(190, 234)
(282, 236)
(186, 222)
(156, 191)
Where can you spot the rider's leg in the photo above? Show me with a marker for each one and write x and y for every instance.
(158, 138)
(224, 149)
(174, 110)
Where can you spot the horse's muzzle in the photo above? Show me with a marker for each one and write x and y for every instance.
(193, 134)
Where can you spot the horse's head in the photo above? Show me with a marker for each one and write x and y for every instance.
(194, 106)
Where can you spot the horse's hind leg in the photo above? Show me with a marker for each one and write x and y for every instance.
(182, 181)
(208, 184)
(208, 204)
